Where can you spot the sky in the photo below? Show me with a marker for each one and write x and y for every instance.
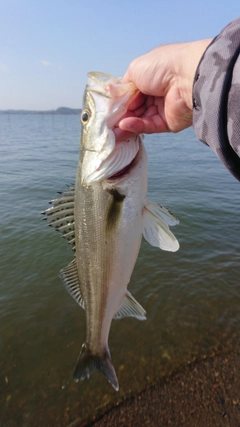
(47, 47)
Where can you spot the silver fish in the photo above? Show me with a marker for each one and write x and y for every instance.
(104, 217)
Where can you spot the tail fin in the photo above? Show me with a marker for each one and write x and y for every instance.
(87, 362)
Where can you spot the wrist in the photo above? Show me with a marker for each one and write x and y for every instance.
(191, 56)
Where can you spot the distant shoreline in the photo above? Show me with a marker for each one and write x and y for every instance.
(60, 110)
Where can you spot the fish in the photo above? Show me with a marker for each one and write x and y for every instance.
(104, 216)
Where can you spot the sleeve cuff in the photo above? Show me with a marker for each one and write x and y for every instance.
(216, 97)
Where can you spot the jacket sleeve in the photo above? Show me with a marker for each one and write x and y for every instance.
(216, 97)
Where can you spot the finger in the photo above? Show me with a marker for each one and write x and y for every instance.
(153, 124)
(139, 112)
(132, 124)
(139, 101)
(122, 135)
(126, 77)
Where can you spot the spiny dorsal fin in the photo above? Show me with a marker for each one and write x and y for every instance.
(156, 230)
(69, 277)
(61, 214)
(130, 308)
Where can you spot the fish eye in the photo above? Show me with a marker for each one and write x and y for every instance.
(85, 116)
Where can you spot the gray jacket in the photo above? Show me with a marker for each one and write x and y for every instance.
(216, 97)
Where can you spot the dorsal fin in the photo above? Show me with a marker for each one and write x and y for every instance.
(69, 277)
(61, 215)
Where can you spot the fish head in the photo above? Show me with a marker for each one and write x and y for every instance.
(106, 100)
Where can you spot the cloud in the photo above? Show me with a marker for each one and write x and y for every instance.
(47, 63)
(50, 64)
(3, 67)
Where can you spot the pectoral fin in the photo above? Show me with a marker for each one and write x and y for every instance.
(156, 230)
(130, 308)
(162, 213)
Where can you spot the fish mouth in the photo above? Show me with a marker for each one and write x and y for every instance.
(117, 164)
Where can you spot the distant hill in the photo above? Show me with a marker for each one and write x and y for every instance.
(60, 110)
(66, 110)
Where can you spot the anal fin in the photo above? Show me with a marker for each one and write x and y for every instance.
(130, 308)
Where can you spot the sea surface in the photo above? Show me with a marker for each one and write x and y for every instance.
(192, 297)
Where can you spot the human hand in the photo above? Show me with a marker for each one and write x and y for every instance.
(164, 77)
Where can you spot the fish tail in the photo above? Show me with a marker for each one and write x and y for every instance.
(87, 362)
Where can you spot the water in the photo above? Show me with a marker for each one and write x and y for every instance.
(192, 297)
